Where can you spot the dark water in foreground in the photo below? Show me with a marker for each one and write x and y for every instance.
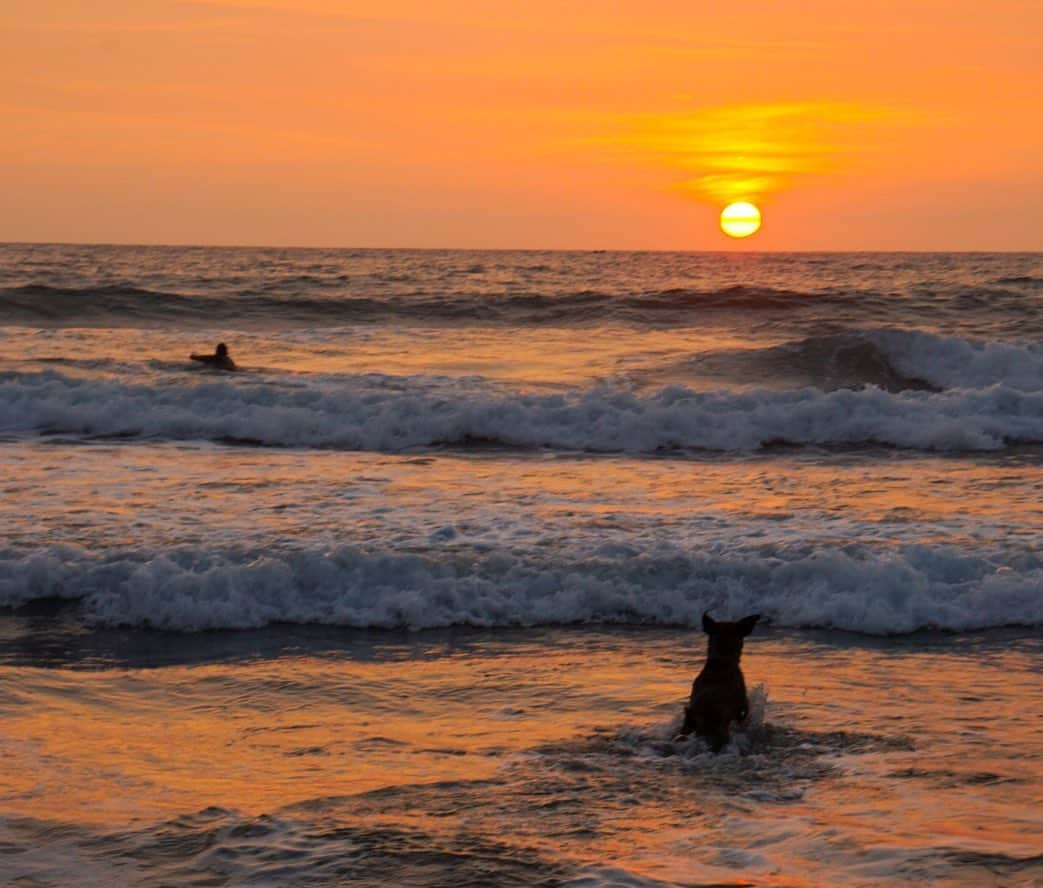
(317, 756)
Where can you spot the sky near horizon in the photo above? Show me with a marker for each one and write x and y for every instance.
(617, 125)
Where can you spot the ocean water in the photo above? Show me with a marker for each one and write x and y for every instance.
(414, 597)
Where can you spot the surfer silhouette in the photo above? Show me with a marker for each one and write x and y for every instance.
(219, 360)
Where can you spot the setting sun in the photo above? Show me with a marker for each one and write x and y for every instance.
(740, 219)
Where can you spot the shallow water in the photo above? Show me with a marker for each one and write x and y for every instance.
(528, 757)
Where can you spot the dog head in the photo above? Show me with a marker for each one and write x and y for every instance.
(726, 638)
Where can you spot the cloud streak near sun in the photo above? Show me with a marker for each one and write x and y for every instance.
(756, 150)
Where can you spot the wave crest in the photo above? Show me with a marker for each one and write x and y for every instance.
(895, 360)
(188, 590)
(302, 301)
(394, 418)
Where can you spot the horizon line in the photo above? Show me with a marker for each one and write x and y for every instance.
(242, 246)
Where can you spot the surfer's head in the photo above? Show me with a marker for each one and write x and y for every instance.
(222, 350)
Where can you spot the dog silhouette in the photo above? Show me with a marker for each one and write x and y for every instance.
(719, 691)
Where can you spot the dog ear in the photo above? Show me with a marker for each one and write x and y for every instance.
(746, 624)
(708, 623)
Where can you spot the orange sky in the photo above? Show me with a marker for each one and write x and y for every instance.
(888, 125)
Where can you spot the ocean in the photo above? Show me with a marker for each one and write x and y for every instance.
(414, 597)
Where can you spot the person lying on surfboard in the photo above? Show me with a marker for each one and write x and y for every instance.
(219, 360)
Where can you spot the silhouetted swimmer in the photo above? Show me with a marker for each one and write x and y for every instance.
(219, 360)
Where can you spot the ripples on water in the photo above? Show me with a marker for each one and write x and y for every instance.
(145, 286)
(523, 442)
(537, 757)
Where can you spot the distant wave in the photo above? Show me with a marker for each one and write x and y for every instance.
(895, 360)
(915, 588)
(1024, 280)
(132, 306)
(731, 297)
(291, 303)
(300, 301)
(395, 417)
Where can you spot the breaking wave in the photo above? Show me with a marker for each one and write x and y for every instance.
(917, 587)
(895, 360)
(361, 415)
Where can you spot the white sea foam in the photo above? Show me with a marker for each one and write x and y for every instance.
(601, 419)
(953, 362)
(872, 592)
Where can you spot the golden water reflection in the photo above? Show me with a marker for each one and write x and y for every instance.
(913, 745)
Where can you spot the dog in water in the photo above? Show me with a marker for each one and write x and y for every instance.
(719, 691)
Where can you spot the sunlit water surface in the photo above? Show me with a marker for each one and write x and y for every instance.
(414, 599)
(531, 757)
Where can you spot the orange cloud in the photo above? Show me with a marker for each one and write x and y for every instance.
(753, 151)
